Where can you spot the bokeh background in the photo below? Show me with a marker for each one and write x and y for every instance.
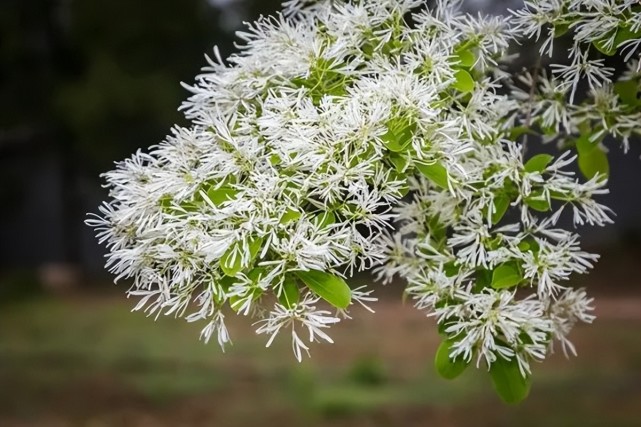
(84, 83)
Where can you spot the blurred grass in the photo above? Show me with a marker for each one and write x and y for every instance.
(87, 360)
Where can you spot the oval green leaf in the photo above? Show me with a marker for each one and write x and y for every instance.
(463, 81)
(508, 382)
(501, 204)
(506, 276)
(393, 143)
(290, 293)
(538, 202)
(538, 163)
(231, 261)
(221, 194)
(584, 145)
(602, 46)
(518, 131)
(255, 245)
(289, 216)
(436, 172)
(325, 219)
(332, 289)
(594, 162)
(447, 367)
(465, 56)
(624, 34)
(561, 29)
(399, 161)
(628, 91)
(400, 132)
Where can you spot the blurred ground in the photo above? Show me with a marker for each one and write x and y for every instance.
(85, 360)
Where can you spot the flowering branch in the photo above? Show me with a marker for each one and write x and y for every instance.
(377, 135)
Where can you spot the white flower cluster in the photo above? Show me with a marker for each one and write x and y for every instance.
(607, 25)
(301, 151)
(597, 28)
(471, 269)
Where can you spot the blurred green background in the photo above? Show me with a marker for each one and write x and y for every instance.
(84, 83)
(85, 360)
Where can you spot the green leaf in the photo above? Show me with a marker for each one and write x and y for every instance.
(231, 261)
(501, 205)
(483, 279)
(274, 159)
(549, 130)
(584, 145)
(440, 328)
(538, 202)
(236, 302)
(256, 273)
(628, 91)
(393, 143)
(560, 29)
(529, 245)
(602, 47)
(399, 161)
(506, 276)
(624, 34)
(290, 293)
(407, 133)
(463, 81)
(289, 216)
(508, 382)
(225, 283)
(445, 365)
(332, 289)
(255, 245)
(519, 131)
(222, 194)
(165, 202)
(368, 49)
(325, 219)
(189, 206)
(594, 162)
(538, 163)
(584, 127)
(451, 269)
(399, 177)
(464, 56)
(436, 172)
(404, 190)
(400, 132)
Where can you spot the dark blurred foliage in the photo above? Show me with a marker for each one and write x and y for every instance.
(85, 83)
(101, 77)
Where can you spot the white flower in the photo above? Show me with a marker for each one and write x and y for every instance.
(217, 324)
(493, 324)
(571, 307)
(592, 69)
(306, 315)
